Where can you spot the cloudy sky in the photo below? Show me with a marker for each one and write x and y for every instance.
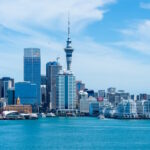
(111, 39)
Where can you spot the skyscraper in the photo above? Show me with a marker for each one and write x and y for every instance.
(52, 70)
(66, 91)
(32, 68)
(5, 84)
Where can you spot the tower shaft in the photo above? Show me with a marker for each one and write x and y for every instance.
(69, 50)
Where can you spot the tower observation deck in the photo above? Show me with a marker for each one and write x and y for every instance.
(69, 50)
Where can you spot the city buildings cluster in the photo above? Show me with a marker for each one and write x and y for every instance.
(59, 92)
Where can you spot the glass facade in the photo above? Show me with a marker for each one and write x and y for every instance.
(66, 92)
(52, 70)
(5, 84)
(11, 96)
(27, 93)
(32, 68)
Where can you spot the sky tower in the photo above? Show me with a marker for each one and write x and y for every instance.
(69, 48)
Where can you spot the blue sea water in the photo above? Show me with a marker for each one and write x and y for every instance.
(75, 134)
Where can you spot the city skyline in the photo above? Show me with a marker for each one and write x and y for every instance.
(108, 56)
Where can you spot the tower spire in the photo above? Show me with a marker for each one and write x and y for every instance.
(69, 50)
(68, 25)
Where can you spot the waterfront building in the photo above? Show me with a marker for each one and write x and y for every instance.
(32, 69)
(116, 97)
(66, 91)
(19, 108)
(126, 108)
(3, 103)
(106, 108)
(27, 92)
(52, 70)
(143, 107)
(85, 102)
(11, 96)
(5, 84)
(94, 108)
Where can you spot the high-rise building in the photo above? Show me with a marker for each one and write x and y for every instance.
(80, 86)
(43, 79)
(43, 95)
(66, 91)
(32, 68)
(101, 93)
(26, 92)
(11, 96)
(111, 90)
(5, 84)
(52, 70)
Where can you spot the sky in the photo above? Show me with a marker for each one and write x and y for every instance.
(111, 39)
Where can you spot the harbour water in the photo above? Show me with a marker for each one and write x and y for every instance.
(74, 134)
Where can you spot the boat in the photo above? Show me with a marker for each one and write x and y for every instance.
(26, 116)
(101, 117)
(33, 116)
(12, 115)
(42, 115)
(50, 115)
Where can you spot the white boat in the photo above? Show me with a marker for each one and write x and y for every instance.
(101, 117)
(12, 115)
(42, 115)
(33, 116)
(50, 115)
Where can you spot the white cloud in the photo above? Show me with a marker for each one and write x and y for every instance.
(145, 5)
(23, 15)
(102, 66)
(137, 37)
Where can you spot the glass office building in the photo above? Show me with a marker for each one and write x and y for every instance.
(66, 91)
(5, 84)
(32, 68)
(26, 92)
(11, 96)
(52, 70)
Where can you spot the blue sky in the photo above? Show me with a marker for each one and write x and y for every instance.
(111, 39)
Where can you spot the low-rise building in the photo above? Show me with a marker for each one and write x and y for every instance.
(19, 108)
(143, 107)
(126, 108)
(85, 102)
(94, 108)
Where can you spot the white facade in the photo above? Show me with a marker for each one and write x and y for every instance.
(143, 107)
(85, 102)
(66, 91)
(126, 107)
